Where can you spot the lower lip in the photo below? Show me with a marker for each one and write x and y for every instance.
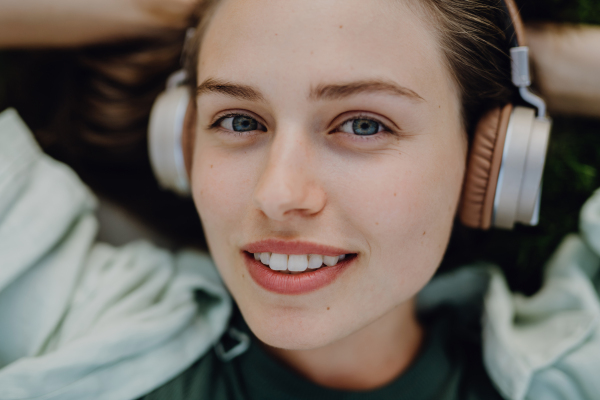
(305, 282)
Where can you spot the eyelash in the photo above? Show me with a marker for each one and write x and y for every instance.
(376, 136)
(215, 125)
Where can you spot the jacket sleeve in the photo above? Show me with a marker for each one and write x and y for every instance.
(85, 320)
(547, 346)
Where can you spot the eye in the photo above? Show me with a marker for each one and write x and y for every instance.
(240, 123)
(362, 126)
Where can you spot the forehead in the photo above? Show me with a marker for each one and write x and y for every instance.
(300, 42)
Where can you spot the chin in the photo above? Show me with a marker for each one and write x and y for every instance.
(292, 329)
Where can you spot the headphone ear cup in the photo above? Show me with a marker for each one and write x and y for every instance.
(518, 189)
(165, 133)
(481, 177)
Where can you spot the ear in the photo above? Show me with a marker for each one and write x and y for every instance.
(188, 137)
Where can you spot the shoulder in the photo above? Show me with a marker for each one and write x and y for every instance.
(460, 329)
(475, 383)
(202, 380)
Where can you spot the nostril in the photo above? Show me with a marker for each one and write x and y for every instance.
(288, 187)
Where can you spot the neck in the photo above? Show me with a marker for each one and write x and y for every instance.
(366, 359)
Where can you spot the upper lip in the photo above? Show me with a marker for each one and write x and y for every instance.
(280, 246)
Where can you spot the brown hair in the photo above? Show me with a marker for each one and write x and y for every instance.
(473, 40)
(90, 107)
(475, 45)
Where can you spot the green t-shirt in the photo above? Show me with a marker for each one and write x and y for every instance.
(449, 367)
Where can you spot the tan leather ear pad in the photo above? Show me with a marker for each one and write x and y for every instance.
(481, 177)
(188, 137)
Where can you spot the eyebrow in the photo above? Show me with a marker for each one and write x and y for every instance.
(320, 92)
(340, 91)
(238, 91)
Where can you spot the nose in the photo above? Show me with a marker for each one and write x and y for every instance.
(289, 184)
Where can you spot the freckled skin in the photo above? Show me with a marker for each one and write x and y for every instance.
(303, 179)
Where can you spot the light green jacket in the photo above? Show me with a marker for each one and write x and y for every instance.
(84, 320)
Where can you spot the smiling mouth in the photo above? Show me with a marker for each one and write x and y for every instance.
(297, 263)
(294, 267)
(285, 280)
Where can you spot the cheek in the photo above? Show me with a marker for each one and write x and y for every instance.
(222, 190)
(407, 213)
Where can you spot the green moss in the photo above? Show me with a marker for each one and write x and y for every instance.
(574, 11)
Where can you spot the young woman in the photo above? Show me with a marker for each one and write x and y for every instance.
(326, 159)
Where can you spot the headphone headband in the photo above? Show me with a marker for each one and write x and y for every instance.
(515, 24)
(519, 54)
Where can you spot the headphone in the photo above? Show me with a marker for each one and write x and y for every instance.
(503, 178)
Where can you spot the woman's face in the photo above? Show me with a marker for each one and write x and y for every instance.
(324, 127)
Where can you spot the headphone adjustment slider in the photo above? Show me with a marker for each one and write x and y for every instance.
(521, 78)
(520, 66)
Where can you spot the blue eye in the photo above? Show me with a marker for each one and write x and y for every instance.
(240, 123)
(361, 126)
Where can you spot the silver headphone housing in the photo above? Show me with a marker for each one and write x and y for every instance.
(518, 190)
(165, 131)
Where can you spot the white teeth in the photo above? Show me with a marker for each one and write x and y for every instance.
(279, 262)
(265, 258)
(297, 262)
(330, 261)
(315, 261)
